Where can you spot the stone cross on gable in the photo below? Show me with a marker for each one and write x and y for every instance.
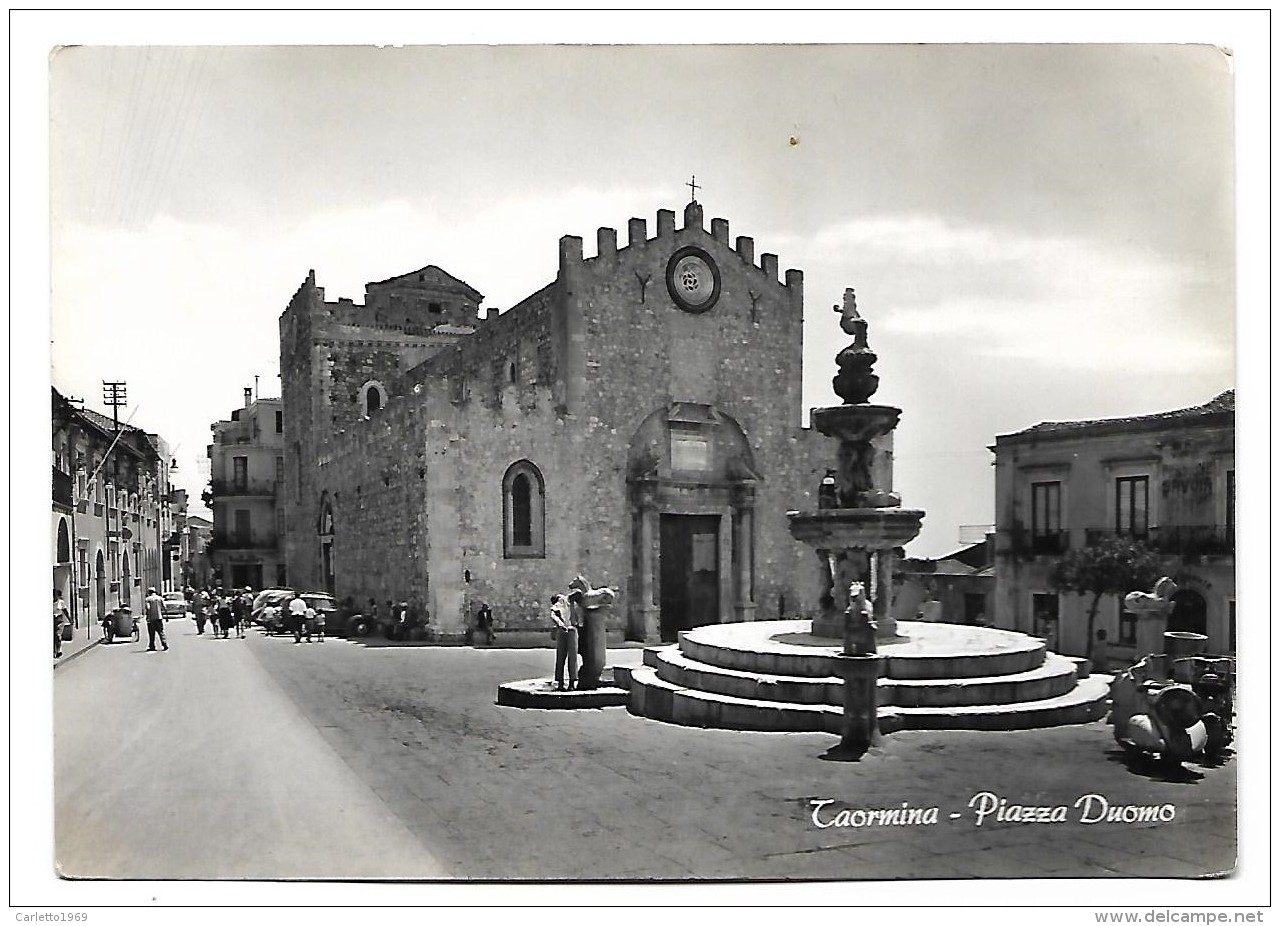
(693, 188)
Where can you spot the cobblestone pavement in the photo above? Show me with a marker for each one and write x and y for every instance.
(504, 793)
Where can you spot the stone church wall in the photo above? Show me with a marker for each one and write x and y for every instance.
(563, 380)
(743, 357)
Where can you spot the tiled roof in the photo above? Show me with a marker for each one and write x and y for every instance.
(1223, 403)
(104, 422)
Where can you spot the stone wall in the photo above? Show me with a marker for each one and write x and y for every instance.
(563, 380)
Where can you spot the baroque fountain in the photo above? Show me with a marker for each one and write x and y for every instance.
(851, 669)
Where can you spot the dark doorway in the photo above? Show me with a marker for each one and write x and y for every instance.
(690, 557)
(975, 608)
(326, 565)
(1188, 614)
(249, 574)
(100, 587)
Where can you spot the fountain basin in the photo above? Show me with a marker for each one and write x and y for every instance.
(856, 528)
(856, 423)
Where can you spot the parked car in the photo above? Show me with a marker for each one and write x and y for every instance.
(279, 598)
(175, 605)
(270, 597)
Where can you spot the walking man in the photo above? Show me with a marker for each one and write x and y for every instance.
(298, 617)
(201, 605)
(154, 606)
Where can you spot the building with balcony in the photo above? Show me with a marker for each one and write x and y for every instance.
(197, 535)
(1166, 479)
(112, 511)
(246, 475)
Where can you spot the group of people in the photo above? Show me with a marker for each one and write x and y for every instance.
(224, 609)
(303, 620)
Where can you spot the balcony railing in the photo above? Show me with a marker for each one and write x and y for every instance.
(1175, 540)
(234, 541)
(263, 488)
(1020, 541)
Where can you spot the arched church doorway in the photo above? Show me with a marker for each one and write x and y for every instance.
(1189, 612)
(692, 483)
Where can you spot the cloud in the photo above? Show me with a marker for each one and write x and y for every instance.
(1065, 301)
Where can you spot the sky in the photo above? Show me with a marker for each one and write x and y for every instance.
(1035, 231)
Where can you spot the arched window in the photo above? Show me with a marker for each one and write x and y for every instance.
(373, 397)
(64, 542)
(523, 512)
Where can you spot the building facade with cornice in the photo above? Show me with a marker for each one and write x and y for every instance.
(246, 481)
(113, 528)
(1167, 479)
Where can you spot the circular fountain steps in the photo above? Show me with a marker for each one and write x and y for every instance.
(925, 650)
(774, 675)
(1056, 676)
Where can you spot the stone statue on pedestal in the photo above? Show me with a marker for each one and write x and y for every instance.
(592, 607)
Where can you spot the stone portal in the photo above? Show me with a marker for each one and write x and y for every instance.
(692, 486)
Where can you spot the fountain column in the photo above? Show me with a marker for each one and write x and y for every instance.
(860, 523)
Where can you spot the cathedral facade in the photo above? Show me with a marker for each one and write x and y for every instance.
(638, 421)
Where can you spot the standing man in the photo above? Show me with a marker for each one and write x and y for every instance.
(298, 617)
(60, 620)
(201, 605)
(484, 622)
(591, 607)
(566, 635)
(154, 606)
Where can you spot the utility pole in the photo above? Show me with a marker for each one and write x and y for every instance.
(113, 394)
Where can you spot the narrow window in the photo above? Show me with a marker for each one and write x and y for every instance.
(1231, 505)
(279, 422)
(1131, 506)
(521, 517)
(239, 473)
(1046, 517)
(523, 511)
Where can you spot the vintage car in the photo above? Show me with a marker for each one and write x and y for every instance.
(175, 605)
